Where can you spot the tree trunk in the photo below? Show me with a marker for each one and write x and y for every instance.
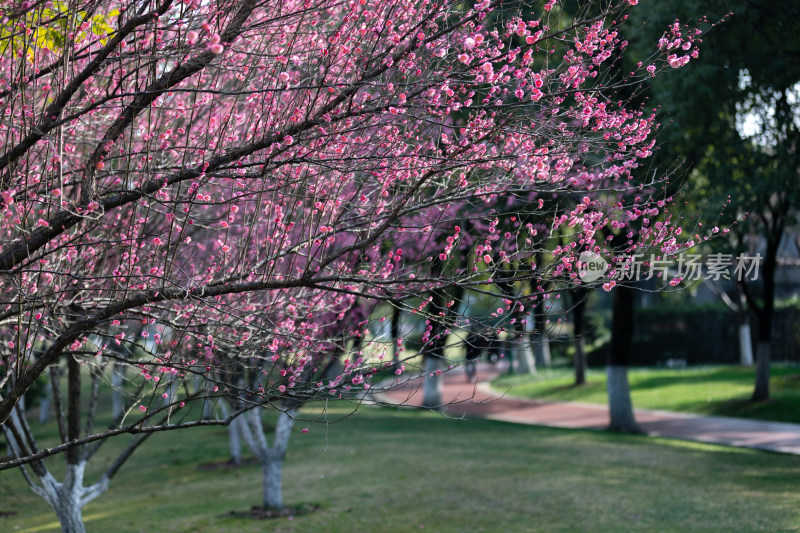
(580, 361)
(745, 343)
(45, 403)
(620, 407)
(541, 348)
(579, 332)
(432, 382)
(235, 440)
(272, 466)
(208, 406)
(66, 498)
(272, 471)
(541, 343)
(395, 335)
(765, 315)
(169, 388)
(117, 397)
(526, 362)
(761, 391)
(12, 447)
(69, 515)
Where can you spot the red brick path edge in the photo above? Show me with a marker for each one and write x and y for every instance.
(477, 400)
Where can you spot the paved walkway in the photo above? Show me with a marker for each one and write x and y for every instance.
(477, 400)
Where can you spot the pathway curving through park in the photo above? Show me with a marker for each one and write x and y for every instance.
(462, 398)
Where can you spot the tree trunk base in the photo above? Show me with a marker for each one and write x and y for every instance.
(620, 407)
(761, 391)
(432, 384)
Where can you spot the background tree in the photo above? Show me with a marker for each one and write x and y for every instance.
(733, 121)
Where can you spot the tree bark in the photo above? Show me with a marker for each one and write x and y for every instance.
(433, 356)
(235, 440)
(432, 382)
(541, 343)
(70, 517)
(12, 446)
(579, 332)
(395, 334)
(46, 402)
(620, 407)
(765, 315)
(67, 505)
(745, 343)
(761, 391)
(526, 361)
(117, 383)
(272, 467)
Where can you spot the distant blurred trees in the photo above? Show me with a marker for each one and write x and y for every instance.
(731, 119)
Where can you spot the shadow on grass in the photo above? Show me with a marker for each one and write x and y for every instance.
(290, 511)
(228, 465)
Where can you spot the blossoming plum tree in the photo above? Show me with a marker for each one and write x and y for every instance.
(213, 178)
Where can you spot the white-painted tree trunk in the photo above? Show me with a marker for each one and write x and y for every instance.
(169, 388)
(234, 436)
(67, 498)
(526, 361)
(745, 344)
(208, 406)
(432, 383)
(620, 407)
(46, 402)
(12, 448)
(235, 441)
(271, 458)
(67, 505)
(117, 383)
(271, 474)
(541, 347)
(273, 468)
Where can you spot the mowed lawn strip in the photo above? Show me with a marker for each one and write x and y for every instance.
(708, 390)
(391, 470)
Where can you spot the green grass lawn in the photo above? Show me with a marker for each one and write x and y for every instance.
(711, 390)
(388, 470)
